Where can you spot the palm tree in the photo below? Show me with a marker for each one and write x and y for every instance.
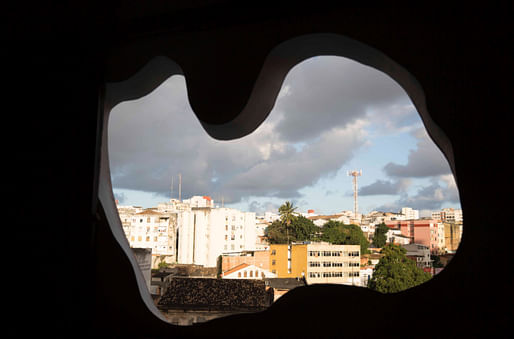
(287, 215)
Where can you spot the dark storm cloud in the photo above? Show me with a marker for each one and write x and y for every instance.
(333, 92)
(385, 187)
(433, 196)
(316, 127)
(425, 161)
(157, 137)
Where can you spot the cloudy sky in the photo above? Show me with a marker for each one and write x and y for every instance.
(332, 115)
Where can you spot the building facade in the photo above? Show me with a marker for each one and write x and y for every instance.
(452, 236)
(420, 254)
(449, 215)
(428, 232)
(318, 263)
(409, 213)
(259, 258)
(192, 231)
(204, 233)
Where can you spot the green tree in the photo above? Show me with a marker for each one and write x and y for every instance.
(300, 229)
(304, 229)
(287, 215)
(436, 261)
(395, 272)
(379, 238)
(163, 265)
(276, 233)
(337, 233)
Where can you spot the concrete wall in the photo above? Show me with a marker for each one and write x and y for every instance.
(144, 260)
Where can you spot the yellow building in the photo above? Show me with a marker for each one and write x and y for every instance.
(288, 261)
(319, 263)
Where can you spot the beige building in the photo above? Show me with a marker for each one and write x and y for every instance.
(333, 264)
(452, 236)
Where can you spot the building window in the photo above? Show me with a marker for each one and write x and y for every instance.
(273, 252)
(239, 274)
(273, 262)
(251, 274)
(245, 274)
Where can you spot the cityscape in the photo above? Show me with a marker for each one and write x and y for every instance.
(288, 205)
(201, 260)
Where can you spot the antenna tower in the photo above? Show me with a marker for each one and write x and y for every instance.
(355, 174)
(180, 187)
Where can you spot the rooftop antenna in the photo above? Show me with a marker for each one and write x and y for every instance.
(171, 198)
(180, 187)
(355, 174)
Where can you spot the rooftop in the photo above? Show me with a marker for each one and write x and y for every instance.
(215, 294)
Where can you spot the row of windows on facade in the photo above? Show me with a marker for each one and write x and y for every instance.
(250, 274)
(155, 230)
(234, 227)
(234, 218)
(233, 237)
(148, 220)
(333, 264)
(140, 238)
(333, 254)
(328, 253)
(333, 274)
(232, 247)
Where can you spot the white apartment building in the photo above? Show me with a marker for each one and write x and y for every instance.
(270, 216)
(449, 215)
(153, 230)
(204, 233)
(441, 240)
(190, 231)
(366, 273)
(200, 201)
(409, 213)
(260, 234)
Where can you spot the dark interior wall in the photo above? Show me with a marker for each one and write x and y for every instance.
(74, 278)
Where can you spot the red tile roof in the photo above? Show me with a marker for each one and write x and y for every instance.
(235, 269)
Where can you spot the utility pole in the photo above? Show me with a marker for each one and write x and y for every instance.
(171, 197)
(355, 174)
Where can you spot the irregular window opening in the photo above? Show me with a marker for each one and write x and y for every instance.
(337, 184)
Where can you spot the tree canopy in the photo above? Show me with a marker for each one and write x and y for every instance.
(337, 233)
(303, 229)
(395, 272)
(380, 238)
(300, 229)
